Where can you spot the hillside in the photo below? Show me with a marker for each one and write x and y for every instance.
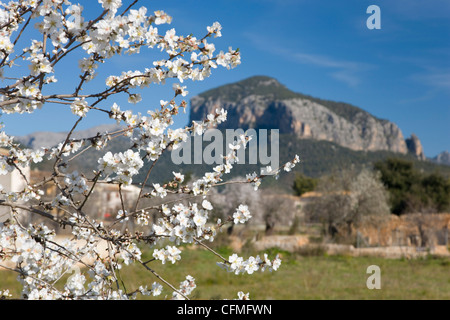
(317, 158)
(327, 135)
(271, 89)
(40, 139)
(262, 102)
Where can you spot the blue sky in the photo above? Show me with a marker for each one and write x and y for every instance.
(323, 48)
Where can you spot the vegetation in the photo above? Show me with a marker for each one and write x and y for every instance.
(303, 184)
(412, 190)
(318, 158)
(276, 91)
(437, 191)
(348, 198)
(299, 277)
(236, 91)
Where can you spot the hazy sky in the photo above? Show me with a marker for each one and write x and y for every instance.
(322, 48)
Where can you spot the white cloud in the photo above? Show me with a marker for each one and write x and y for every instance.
(434, 76)
(439, 80)
(346, 71)
(351, 79)
(434, 83)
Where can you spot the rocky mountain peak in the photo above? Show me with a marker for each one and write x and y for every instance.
(263, 102)
(442, 158)
(415, 147)
(261, 86)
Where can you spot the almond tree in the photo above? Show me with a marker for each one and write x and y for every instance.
(63, 33)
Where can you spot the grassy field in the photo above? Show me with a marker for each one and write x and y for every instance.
(299, 277)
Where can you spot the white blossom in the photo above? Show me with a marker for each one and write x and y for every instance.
(242, 214)
(79, 107)
(243, 296)
(63, 27)
(169, 253)
(162, 17)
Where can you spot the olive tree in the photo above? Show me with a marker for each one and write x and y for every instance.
(348, 198)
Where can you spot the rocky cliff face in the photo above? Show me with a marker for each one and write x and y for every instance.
(415, 147)
(262, 102)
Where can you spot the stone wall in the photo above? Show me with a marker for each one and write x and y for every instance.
(417, 230)
(408, 236)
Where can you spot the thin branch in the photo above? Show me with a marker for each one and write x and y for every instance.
(129, 7)
(121, 198)
(211, 250)
(144, 184)
(21, 173)
(79, 153)
(162, 279)
(58, 157)
(90, 191)
(37, 211)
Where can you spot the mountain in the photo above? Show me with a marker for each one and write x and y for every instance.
(262, 102)
(41, 139)
(415, 147)
(318, 158)
(335, 135)
(442, 158)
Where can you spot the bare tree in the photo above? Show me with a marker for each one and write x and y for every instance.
(276, 209)
(347, 199)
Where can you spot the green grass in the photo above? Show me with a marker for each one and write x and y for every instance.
(299, 278)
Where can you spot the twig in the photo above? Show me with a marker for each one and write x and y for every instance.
(143, 184)
(162, 279)
(211, 250)
(37, 211)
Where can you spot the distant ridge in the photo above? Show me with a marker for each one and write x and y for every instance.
(263, 102)
(41, 139)
(442, 158)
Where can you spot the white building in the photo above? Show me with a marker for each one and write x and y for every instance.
(107, 201)
(12, 182)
